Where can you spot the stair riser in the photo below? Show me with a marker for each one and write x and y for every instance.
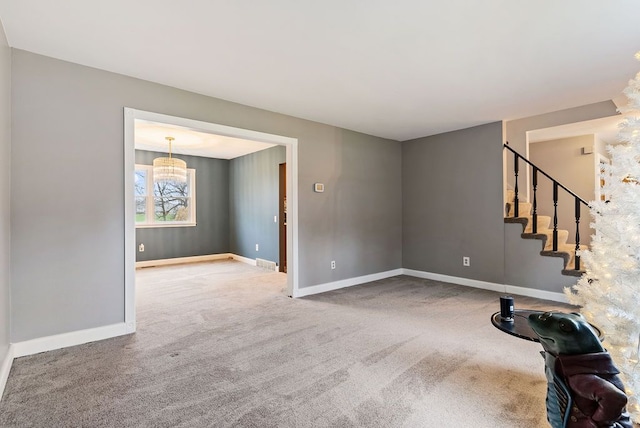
(543, 224)
(572, 260)
(563, 237)
(524, 209)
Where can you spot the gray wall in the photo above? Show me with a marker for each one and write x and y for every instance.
(68, 261)
(452, 198)
(358, 218)
(563, 160)
(5, 200)
(253, 202)
(211, 234)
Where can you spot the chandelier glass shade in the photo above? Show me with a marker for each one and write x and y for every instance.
(169, 168)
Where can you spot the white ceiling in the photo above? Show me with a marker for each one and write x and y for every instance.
(399, 69)
(152, 136)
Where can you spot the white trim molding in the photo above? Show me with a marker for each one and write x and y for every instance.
(539, 294)
(65, 340)
(243, 259)
(349, 282)
(5, 368)
(492, 286)
(455, 280)
(195, 259)
(501, 288)
(182, 260)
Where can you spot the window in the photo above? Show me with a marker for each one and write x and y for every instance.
(164, 204)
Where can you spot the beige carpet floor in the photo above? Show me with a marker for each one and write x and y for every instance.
(219, 345)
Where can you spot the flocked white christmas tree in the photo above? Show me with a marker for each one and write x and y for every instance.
(609, 291)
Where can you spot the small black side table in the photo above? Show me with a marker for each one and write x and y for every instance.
(520, 325)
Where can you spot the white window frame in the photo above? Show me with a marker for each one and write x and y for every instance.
(150, 206)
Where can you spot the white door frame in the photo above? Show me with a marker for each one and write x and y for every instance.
(291, 144)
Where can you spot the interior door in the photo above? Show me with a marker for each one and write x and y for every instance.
(283, 218)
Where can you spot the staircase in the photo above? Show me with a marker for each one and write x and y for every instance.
(544, 233)
(554, 241)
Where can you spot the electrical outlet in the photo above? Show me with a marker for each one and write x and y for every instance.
(466, 261)
(257, 247)
(141, 248)
(333, 264)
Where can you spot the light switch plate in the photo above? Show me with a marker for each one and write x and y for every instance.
(318, 187)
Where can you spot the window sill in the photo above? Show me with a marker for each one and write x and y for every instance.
(167, 224)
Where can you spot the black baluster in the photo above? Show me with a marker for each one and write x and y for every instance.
(516, 201)
(555, 216)
(534, 227)
(577, 258)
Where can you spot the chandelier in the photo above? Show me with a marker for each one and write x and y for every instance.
(169, 168)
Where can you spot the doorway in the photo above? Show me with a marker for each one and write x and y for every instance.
(291, 194)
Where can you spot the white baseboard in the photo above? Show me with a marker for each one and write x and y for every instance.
(242, 259)
(455, 280)
(181, 260)
(5, 368)
(330, 286)
(539, 294)
(64, 340)
(194, 259)
(501, 288)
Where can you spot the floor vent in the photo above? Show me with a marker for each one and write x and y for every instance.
(266, 264)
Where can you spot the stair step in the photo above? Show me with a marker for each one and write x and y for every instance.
(543, 224)
(572, 260)
(510, 195)
(563, 236)
(567, 251)
(524, 209)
